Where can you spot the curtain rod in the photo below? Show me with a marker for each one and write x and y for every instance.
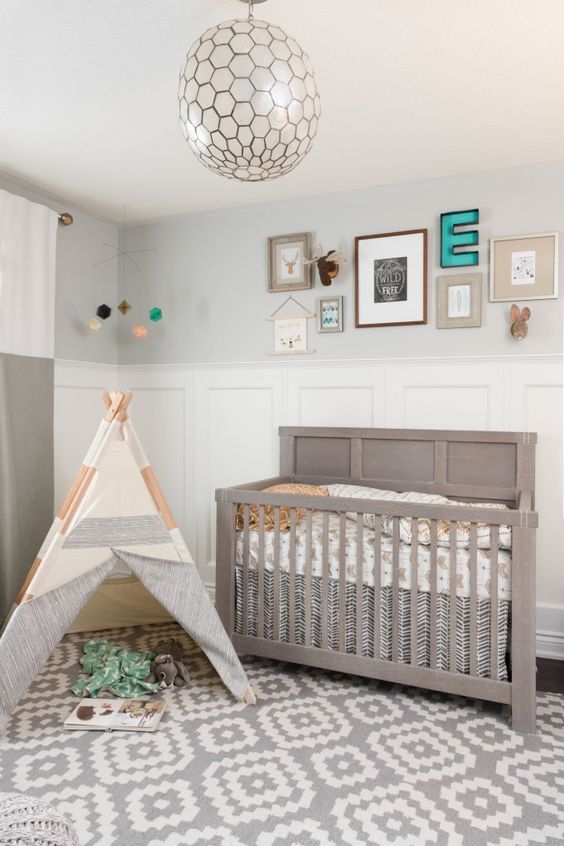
(66, 218)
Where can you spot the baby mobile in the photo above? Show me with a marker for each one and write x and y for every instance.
(104, 311)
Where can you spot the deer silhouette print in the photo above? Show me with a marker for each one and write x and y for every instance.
(290, 263)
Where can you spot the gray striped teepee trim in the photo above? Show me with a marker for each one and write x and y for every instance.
(93, 532)
(35, 628)
(178, 587)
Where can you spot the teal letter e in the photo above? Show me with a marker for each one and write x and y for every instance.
(451, 239)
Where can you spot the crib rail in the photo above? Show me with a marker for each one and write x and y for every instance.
(524, 518)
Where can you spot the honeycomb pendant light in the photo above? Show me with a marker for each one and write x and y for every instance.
(248, 101)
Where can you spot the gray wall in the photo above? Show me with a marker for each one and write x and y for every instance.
(81, 287)
(209, 276)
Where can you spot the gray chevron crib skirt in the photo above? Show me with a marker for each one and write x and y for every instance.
(463, 610)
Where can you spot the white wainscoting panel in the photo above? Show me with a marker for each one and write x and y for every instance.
(451, 395)
(209, 426)
(345, 395)
(236, 415)
(535, 404)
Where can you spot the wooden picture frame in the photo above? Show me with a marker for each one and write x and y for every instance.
(332, 322)
(286, 269)
(524, 267)
(391, 279)
(459, 301)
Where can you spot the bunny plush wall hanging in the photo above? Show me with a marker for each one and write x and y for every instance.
(519, 317)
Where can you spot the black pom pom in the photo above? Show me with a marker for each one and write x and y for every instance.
(103, 311)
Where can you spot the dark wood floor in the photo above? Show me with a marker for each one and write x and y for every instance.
(550, 675)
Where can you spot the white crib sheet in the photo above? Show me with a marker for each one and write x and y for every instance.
(423, 559)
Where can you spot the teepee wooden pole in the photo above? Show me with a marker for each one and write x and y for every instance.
(149, 477)
(118, 405)
(158, 497)
(81, 484)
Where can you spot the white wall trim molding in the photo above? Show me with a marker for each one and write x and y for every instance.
(550, 630)
(550, 645)
(305, 361)
(82, 374)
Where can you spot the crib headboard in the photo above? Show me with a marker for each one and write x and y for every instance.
(470, 465)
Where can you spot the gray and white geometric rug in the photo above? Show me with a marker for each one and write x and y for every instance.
(323, 759)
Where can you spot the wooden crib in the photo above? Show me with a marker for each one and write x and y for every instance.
(272, 610)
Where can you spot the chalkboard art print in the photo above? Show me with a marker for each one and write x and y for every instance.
(391, 279)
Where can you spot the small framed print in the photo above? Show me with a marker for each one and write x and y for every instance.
(459, 301)
(524, 267)
(330, 314)
(391, 279)
(286, 268)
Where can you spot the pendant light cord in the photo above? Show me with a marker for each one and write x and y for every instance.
(251, 10)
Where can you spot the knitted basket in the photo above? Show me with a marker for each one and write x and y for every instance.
(26, 821)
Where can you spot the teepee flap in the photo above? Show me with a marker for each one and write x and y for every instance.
(179, 588)
(35, 628)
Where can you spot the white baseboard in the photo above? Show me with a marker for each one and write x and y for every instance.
(550, 630)
(550, 645)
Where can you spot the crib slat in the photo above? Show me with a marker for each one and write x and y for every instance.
(414, 586)
(395, 588)
(342, 581)
(325, 583)
(260, 574)
(452, 604)
(245, 569)
(359, 581)
(433, 627)
(276, 574)
(473, 564)
(308, 577)
(292, 574)
(377, 582)
(494, 591)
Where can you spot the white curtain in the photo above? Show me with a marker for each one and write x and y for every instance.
(28, 234)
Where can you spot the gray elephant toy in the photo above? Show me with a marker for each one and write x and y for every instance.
(168, 669)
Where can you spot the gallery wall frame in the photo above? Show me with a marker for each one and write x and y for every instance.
(330, 314)
(459, 301)
(291, 328)
(524, 267)
(391, 279)
(287, 270)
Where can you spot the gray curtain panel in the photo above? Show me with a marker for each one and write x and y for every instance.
(26, 467)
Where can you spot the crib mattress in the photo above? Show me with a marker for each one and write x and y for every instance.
(501, 557)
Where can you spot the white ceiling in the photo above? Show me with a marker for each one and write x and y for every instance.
(410, 89)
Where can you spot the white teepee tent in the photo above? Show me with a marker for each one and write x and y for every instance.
(115, 514)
